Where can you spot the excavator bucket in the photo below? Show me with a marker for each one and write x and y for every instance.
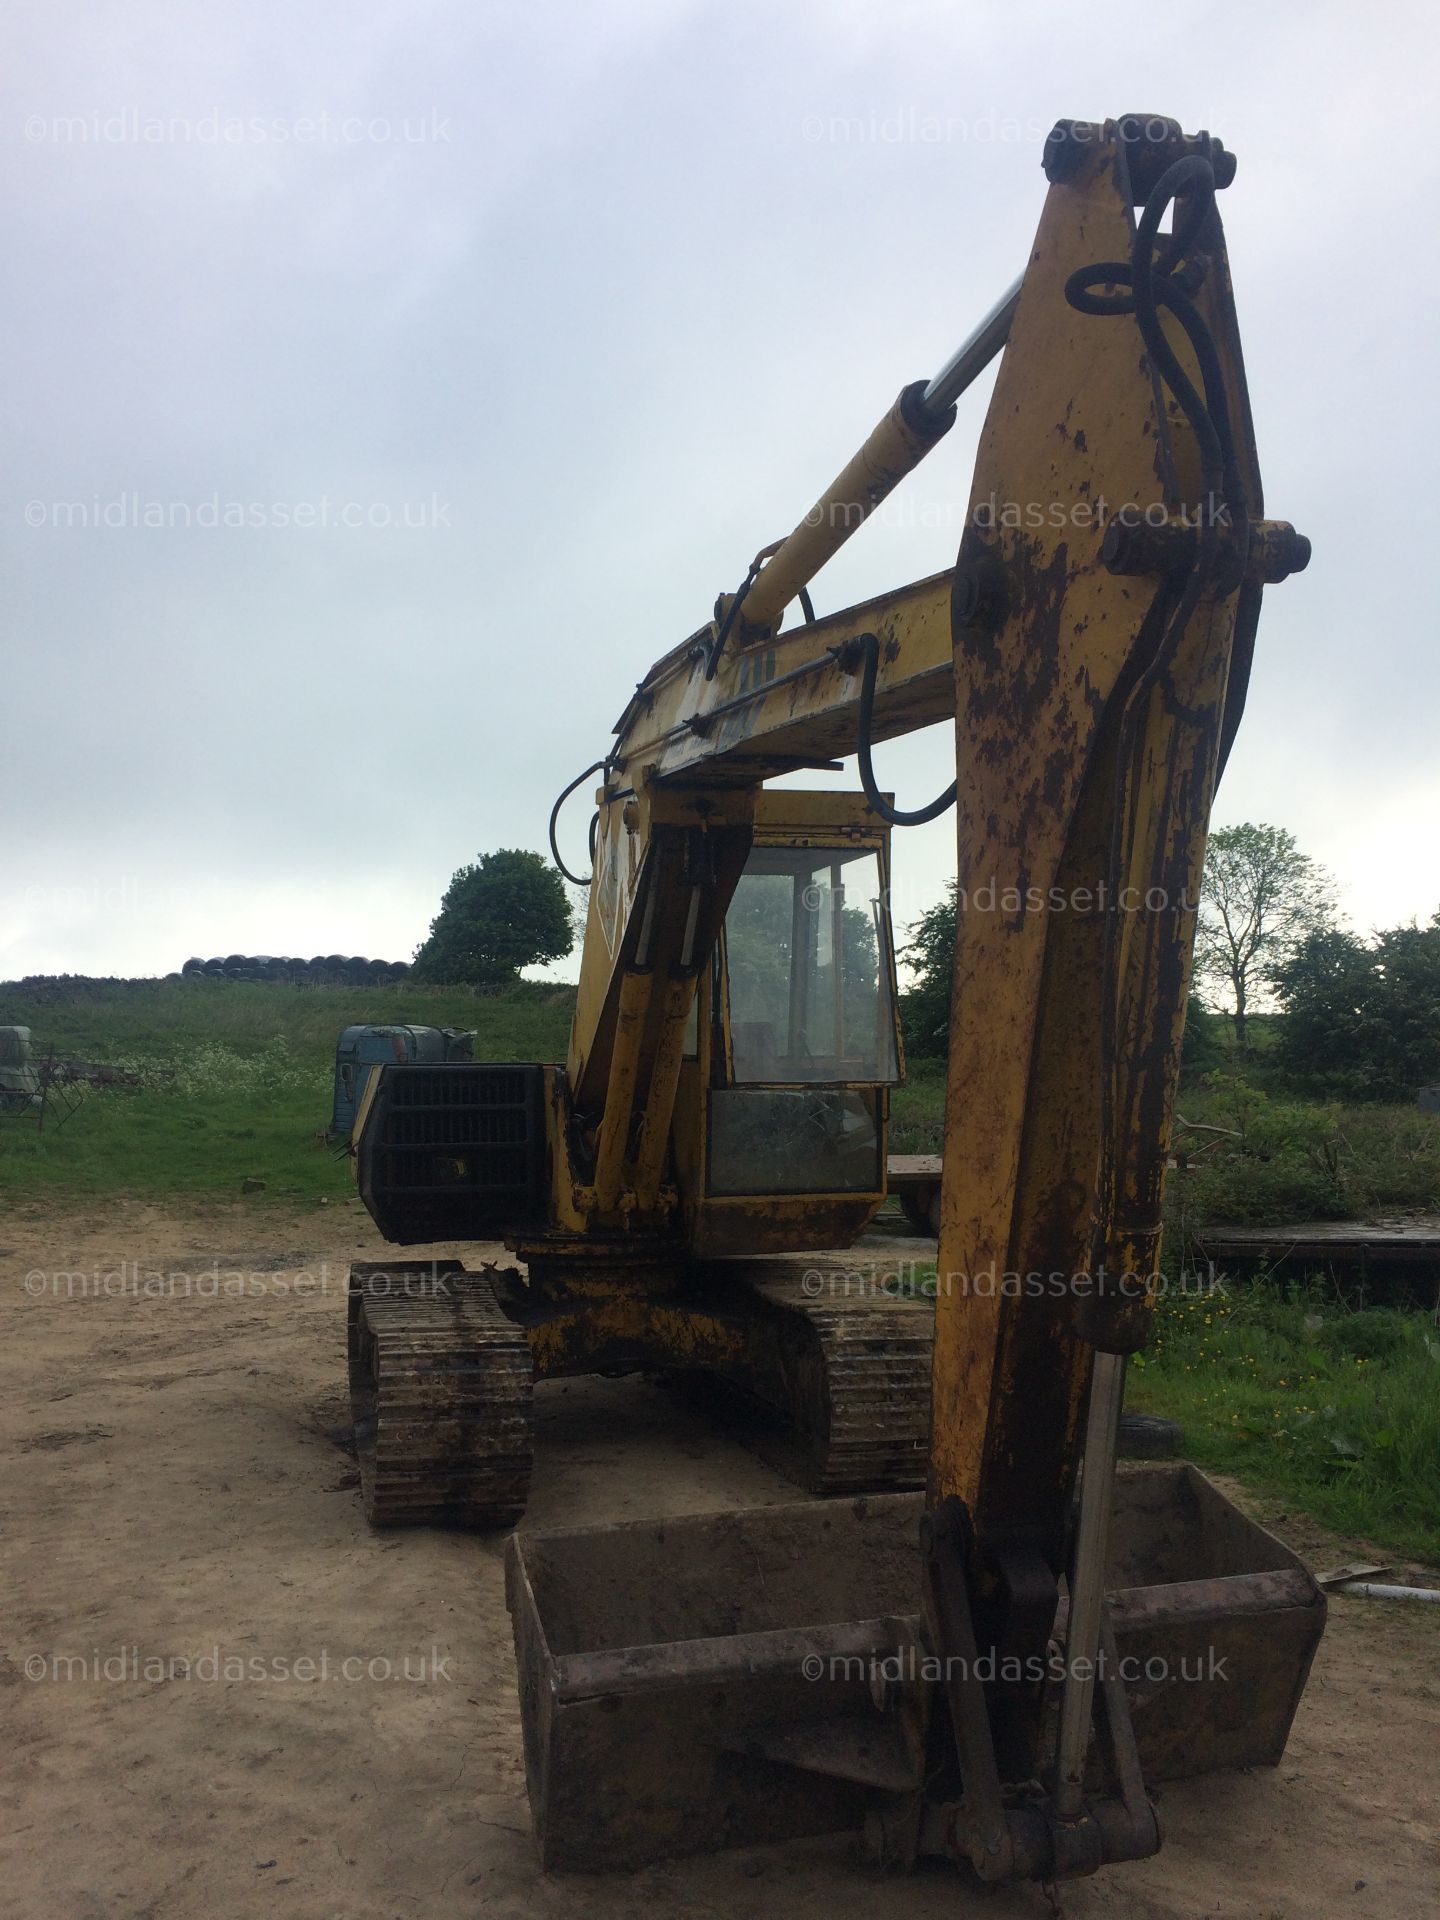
(734, 1679)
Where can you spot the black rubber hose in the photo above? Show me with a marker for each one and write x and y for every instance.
(897, 816)
(1154, 280)
(717, 645)
(575, 879)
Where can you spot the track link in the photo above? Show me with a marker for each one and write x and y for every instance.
(440, 1395)
(856, 1373)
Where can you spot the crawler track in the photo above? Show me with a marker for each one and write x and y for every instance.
(441, 1382)
(440, 1390)
(856, 1376)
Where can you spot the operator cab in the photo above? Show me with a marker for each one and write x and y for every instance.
(794, 1040)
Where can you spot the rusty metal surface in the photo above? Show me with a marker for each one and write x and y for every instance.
(619, 1779)
(615, 1672)
(629, 1332)
(859, 1747)
(774, 714)
(842, 1369)
(1075, 416)
(442, 1359)
(1093, 691)
(725, 1225)
(627, 1117)
(1220, 1619)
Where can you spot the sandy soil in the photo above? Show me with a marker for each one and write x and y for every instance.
(174, 1489)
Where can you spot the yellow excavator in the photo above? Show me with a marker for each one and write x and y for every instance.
(994, 1650)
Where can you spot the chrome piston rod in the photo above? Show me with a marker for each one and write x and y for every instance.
(1087, 1580)
(973, 355)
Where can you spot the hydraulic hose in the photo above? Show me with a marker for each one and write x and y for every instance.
(897, 816)
(575, 879)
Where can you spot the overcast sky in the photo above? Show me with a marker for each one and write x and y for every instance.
(572, 307)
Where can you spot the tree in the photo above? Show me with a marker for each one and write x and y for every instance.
(1260, 897)
(1363, 1018)
(506, 911)
(930, 954)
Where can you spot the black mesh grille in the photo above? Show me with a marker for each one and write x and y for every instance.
(476, 1086)
(454, 1152)
(449, 1128)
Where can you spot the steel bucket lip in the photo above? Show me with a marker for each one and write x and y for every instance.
(716, 1660)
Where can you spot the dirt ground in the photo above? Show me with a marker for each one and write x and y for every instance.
(174, 1491)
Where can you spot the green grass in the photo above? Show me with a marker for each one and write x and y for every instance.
(157, 1018)
(253, 1064)
(1250, 1153)
(1332, 1410)
(1335, 1411)
(252, 1068)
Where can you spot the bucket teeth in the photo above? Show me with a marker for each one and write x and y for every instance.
(440, 1394)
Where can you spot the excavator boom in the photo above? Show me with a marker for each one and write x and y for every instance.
(1091, 646)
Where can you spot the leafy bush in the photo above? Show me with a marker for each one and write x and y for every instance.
(1205, 1050)
(917, 1110)
(1246, 1155)
(215, 1068)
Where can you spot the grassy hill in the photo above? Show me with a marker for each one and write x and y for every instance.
(236, 1083)
(236, 1077)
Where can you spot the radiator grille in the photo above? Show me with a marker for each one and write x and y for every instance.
(454, 1152)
